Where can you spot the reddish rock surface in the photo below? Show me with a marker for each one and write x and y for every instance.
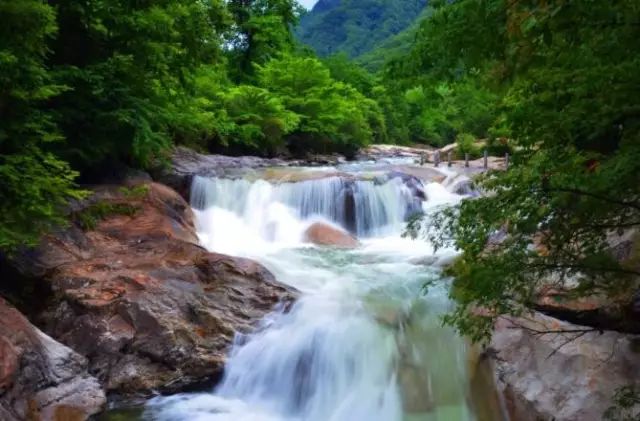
(327, 235)
(137, 296)
(41, 379)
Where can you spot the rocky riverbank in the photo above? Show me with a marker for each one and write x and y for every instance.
(548, 369)
(133, 305)
(143, 307)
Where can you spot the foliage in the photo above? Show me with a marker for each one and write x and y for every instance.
(355, 27)
(569, 102)
(35, 184)
(334, 116)
(261, 31)
(101, 209)
(626, 405)
(90, 217)
(138, 192)
(466, 144)
(260, 119)
(130, 66)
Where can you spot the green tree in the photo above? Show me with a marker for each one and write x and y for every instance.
(261, 31)
(34, 184)
(130, 66)
(260, 119)
(334, 117)
(571, 106)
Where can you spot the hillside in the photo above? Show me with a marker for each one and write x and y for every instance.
(356, 27)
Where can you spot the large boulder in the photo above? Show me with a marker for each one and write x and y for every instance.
(137, 295)
(326, 235)
(549, 369)
(41, 379)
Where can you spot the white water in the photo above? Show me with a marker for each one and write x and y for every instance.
(362, 342)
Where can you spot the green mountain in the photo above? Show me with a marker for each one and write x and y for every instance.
(357, 27)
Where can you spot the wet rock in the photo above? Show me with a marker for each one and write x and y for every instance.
(41, 379)
(327, 235)
(186, 163)
(560, 376)
(281, 175)
(137, 295)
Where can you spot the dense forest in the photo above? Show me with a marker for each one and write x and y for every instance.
(356, 27)
(86, 86)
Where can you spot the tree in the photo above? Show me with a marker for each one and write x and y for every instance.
(571, 106)
(261, 31)
(261, 120)
(35, 184)
(128, 64)
(334, 117)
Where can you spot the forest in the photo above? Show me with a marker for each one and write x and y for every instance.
(92, 91)
(89, 86)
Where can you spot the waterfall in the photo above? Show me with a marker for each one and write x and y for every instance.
(362, 342)
(364, 207)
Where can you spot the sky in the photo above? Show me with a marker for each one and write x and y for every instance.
(307, 3)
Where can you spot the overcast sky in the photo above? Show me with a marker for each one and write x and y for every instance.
(307, 3)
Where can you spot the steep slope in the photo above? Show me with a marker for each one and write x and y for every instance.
(356, 27)
(393, 46)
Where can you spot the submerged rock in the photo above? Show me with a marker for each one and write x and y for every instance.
(560, 376)
(41, 379)
(326, 235)
(137, 295)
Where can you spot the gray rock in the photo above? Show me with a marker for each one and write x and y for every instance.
(560, 376)
(186, 163)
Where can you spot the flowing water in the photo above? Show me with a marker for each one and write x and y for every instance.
(363, 342)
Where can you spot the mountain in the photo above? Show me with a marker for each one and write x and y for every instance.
(356, 27)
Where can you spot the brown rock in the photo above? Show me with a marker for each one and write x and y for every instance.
(326, 235)
(147, 306)
(41, 379)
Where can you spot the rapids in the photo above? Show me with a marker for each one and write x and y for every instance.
(364, 342)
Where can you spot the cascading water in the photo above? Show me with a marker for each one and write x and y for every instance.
(362, 342)
(362, 206)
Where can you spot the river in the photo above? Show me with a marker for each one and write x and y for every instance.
(365, 340)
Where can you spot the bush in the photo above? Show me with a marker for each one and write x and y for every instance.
(466, 144)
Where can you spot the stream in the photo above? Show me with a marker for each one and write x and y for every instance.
(365, 340)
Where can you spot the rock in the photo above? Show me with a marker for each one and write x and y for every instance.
(330, 159)
(620, 312)
(41, 379)
(380, 152)
(566, 376)
(186, 163)
(327, 235)
(137, 295)
(280, 175)
(444, 151)
(423, 174)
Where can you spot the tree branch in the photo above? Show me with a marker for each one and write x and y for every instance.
(634, 205)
